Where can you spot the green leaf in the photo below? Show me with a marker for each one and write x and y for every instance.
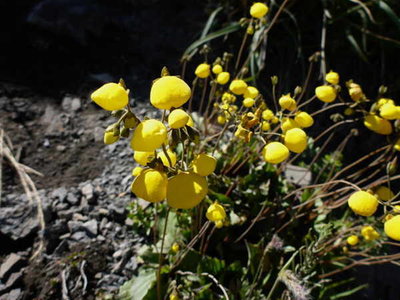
(349, 292)
(172, 233)
(210, 21)
(224, 31)
(356, 47)
(139, 286)
(389, 12)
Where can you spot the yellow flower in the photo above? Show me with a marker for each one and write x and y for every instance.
(352, 240)
(223, 78)
(228, 98)
(178, 118)
(258, 10)
(332, 77)
(384, 193)
(169, 91)
(296, 140)
(136, 171)
(204, 164)
(383, 101)
(287, 102)
(186, 190)
(396, 209)
(202, 71)
(389, 111)
(303, 119)
(248, 102)
(221, 119)
(164, 159)
(110, 96)
(109, 137)
(251, 92)
(265, 126)
(216, 212)
(268, 115)
(149, 135)
(275, 153)
(397, 145)
(243, 133)
(392, 228)
(217, 69)
(219, 224)
(369, 233)
(250, 30)
(175, 247)
(173, 297)
(325, 93)
(190, 122)
(275, 120)
(355, 92)
(378, 125)
(288, 123)
(143, 157)
(363, 203)
(238, 87)
(150, 185)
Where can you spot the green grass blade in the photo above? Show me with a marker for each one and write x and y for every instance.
(356, 46)
(210, 21)
(390, 13)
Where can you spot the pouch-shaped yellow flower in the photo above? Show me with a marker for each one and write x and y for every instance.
(275, 152)
(223, 78)
(303, 119)
(288, 123)
(258, 10)
(392, 228)
(268, 115)
(384, 193)
(216, 69)
(251, 92)
(109, 137)
(238, 87)
(378, 125)
(216, 212)
(287, 102)
(202, 70)
(143, 157)
(352, 240)
(332, 77)
(390, 111)
(186, 190)
(296, 140)
(150, 185)
(363, 203)
(169, 91)
(148, 136)
(204, 164)
(178, 118)
(265, 126)
(248, 102)
(110, 96)
(325, 93)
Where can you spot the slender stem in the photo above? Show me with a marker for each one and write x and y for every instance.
(160, 257)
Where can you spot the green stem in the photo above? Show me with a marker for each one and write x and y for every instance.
(160, 257)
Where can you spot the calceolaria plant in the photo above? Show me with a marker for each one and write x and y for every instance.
(245, 202)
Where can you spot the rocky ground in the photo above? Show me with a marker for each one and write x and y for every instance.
(89, 242)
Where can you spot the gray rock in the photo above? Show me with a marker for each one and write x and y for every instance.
(74, 226)
(18, 222)
(76, 104)
(15, 294)
(98, 134)
(91, 227)
(11, 264)
(60, 194)
(12, 281)
(80, 236)
(61, 148)
(72, 199)
(79, 217)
